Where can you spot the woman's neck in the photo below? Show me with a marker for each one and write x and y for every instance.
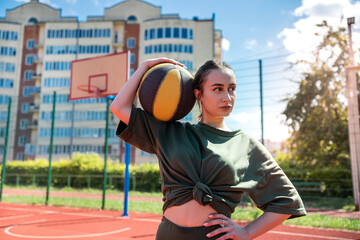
(218, 123)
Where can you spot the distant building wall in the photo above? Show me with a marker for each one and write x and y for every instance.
(133, 25)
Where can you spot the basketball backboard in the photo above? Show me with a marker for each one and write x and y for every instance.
(98, 76)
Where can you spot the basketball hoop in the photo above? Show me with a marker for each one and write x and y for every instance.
(90, 89)
(98, 77)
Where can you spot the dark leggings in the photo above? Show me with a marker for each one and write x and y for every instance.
(170, 231)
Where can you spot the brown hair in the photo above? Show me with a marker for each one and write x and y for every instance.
(204, 71)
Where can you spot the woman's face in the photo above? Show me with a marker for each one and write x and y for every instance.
(218, 94)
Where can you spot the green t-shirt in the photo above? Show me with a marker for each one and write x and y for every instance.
(212, 166)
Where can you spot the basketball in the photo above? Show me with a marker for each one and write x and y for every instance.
(166, 92)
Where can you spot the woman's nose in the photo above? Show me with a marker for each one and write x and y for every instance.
(227, 96)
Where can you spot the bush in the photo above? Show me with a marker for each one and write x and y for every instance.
(81, 171)
(322, 181)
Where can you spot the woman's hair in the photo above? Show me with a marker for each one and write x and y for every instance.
(206, 68)
(204, 71)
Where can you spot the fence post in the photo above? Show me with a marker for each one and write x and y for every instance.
(68, 180)
(34, 179)
(134, 183)
(89, 181)
(51, 148)
(17, 180)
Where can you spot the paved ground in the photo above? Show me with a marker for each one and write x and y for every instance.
(22, 222)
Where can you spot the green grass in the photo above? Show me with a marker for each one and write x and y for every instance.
(244, 214)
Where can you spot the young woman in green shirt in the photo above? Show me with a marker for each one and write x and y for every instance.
(206, 167)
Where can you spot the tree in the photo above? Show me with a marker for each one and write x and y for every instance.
(316, 113)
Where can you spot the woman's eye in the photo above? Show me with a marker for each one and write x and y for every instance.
(217, 89)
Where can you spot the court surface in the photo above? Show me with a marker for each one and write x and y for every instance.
(18, 221)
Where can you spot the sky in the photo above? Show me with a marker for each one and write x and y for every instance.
(276, 31)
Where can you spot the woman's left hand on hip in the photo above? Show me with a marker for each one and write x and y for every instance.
(227, 226)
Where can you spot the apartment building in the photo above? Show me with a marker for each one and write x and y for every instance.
(37, 46)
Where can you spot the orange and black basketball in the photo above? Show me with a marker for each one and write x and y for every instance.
(166, 92)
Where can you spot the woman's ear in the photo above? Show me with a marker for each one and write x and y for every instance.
(197, 94)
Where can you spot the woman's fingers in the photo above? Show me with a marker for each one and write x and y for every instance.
(152, 62)
(217, 219)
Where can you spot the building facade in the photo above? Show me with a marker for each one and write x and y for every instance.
(37, 47)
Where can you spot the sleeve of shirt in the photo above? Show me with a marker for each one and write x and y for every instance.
(141, 130)
(273, 192)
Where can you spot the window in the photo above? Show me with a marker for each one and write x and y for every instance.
(168, 32)
(132, 58)
(21, 141)
(23, 124)
(6, 83)
(26, 91)
(20, 156)
(29, 59)
(176, 32)
(131, 42)
(27, 75)
(25, 107)
(116, 36)
(159, 33)
(30, 44)
(184, 33)
(132, 18)
(152, 33)
(33, 20)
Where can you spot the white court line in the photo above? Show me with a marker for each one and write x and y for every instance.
(27, 210)
(17, 216)
(309, 235)
(158, 221)
(7, 231)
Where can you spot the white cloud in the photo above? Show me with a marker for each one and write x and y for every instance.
(270, 44)
(320, 8)
(301, 39)
(225, 44)
(250, 44)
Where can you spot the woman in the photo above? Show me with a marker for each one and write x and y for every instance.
(206, 167)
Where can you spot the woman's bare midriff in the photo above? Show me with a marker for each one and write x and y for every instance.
(190, 214)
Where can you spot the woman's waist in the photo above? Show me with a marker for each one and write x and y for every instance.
(189, 214)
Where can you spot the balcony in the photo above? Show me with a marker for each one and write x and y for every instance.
(29, 149)
(33, 125)
(36, 76)
(35, 91)
(37, 59)
(39, 45)
(34, 107)
(118, 43)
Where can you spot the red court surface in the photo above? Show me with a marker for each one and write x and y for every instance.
(18, 221)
